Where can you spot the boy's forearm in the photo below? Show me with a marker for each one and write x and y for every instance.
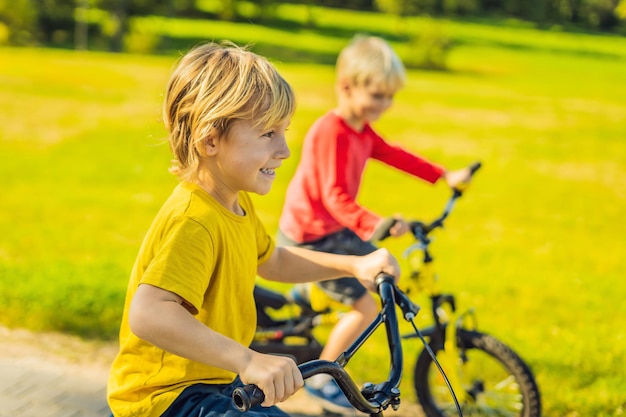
(297, 265)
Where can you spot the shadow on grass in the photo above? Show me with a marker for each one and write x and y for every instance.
(275, 52)
(299, 52)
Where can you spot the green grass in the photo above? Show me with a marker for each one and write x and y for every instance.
(536, 244)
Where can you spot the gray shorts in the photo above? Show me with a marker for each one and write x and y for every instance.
(346, 290)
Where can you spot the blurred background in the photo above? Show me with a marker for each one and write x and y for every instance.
(147, 26)
(535, 90)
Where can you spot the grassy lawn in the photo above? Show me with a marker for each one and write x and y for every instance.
(536, 245)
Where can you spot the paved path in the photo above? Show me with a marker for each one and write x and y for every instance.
(54, 375)
(33, 391)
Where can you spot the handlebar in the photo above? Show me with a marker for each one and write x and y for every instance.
(372, 398)
(461, 187)
(419, 228)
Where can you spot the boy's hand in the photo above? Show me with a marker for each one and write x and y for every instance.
(277, 376)
(390, 226)
(458, 179)
(400, 227)
(367, 267)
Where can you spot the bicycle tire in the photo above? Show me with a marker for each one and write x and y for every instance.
(500, 382)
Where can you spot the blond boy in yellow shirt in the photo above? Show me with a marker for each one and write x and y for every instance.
(189, 313)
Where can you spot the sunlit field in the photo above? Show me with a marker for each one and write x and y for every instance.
(536, 245)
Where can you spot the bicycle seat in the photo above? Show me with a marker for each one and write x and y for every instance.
(269, 298)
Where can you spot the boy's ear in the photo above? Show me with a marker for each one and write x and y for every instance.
(344, 86)
(208, 146)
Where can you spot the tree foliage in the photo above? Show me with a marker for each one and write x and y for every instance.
(106, 22)
(17, 20)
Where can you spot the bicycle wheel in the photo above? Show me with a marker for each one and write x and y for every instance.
(497, 380)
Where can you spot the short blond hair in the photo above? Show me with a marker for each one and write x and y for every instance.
(370, 59)
(213, 85)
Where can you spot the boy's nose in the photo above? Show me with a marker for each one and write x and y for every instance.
(283, 152)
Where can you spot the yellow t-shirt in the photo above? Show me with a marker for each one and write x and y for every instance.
(208, 255)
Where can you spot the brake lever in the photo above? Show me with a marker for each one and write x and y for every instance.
(408, 307)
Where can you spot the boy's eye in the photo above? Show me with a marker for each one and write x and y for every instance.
(382, 96)
(269, 134)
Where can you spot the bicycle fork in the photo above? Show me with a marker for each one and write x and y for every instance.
(447, 324)
(451, 358)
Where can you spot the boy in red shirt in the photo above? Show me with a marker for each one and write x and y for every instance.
(321, 211)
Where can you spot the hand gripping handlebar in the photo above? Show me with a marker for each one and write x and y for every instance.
(372, 398)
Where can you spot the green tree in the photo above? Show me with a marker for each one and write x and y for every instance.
(407, 7)
(18, 22)
(600, 13)
(462, 7)
(55, 23)
(620, 10)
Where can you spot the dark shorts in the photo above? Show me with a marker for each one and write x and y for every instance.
(202, 400)
(346, 290)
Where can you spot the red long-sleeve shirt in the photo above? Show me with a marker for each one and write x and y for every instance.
(321, 197)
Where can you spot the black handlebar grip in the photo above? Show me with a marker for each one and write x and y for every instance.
(382, 277)
(246, 397)
(474, 167)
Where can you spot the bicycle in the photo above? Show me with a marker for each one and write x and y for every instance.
(488, 377)
(372, 398)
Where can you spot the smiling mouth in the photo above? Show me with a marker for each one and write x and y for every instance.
(268, 171)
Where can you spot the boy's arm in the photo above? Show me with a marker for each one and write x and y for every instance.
(296, 265)
(163, 319)
(406, 161)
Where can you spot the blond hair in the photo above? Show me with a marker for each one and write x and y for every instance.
(213, 85)
(369, 59)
